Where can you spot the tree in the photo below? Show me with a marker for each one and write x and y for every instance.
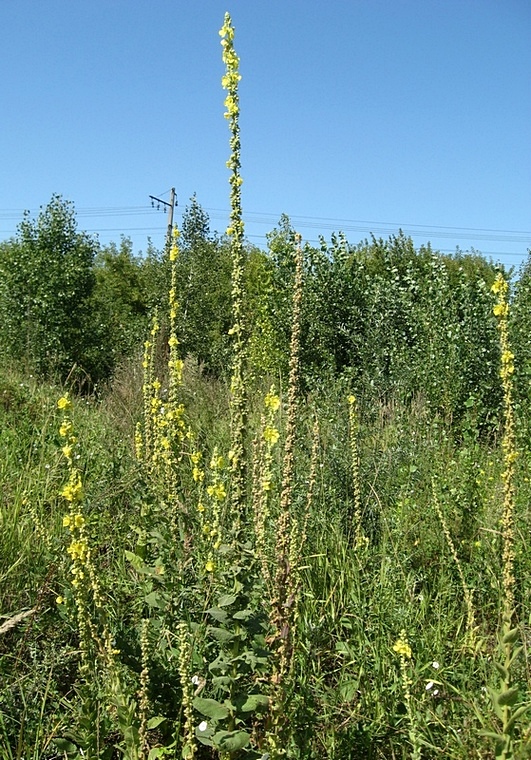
(47, 283)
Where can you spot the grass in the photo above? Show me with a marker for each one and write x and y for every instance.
(347, 697)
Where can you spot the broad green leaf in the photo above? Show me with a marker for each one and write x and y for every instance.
(242, 614)
(154, 600)
(220, 615)
(155, 721)
(508, 697)
(226, 600)
(502, 670)
(514, 717)
(348, 690)
(211, 708)
(231, 741)
(66, 746)
(135, 560)
(220, 634)
(255, 703)
(511, 636)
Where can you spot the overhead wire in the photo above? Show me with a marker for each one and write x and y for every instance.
(360, 227)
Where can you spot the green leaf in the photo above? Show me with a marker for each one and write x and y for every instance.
(211, 708)
(348, 690)
(226, 599)
(155, 721)
(508, 697)
(156, 752)
(242, 614)
(511, 636)
(515, 654)
(154, 600)
(231, 741)
(514, 717)
(135, 560)
(66, 746)
(494, 697)
(220, 615)
(220, 634)
(502, 670)
(255, 703)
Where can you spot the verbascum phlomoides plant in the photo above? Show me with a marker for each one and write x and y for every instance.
(230, 81)
(403, 650)
(104, 700)
(505, 698)
(237, 631)
(283, 612)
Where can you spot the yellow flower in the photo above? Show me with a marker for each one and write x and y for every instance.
(217, 462)
(217, 491)
(271, 435)
(73, 491)
(197, 474)
(209, 566)
(67, 451)
(79, 521)
(402, 648)
(64, 403)
(65, 429)
(272, 401)
(351, 399)
(501, 310)
(59, 600)
(66, 521)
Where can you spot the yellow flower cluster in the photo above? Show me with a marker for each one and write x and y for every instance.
(271, 435)
(73, 491)
(401, 646)
(174, 250)
(272, 401)
(217, 491)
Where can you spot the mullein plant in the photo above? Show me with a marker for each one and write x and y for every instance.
(285, 582)
(403, 649)
(235, 232)
(470, 641)
(102, 691)
(505, 698)
(236, 635)
(263, 481)
(360, 539)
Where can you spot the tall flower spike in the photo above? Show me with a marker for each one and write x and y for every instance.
(230, 81)
(505, 698)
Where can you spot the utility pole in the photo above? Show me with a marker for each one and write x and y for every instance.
(170, 205)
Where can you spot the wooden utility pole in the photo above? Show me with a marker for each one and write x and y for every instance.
(171, 205)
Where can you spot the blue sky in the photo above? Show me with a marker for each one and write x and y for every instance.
(362, 116)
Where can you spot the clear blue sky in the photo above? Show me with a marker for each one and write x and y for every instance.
(357, 115)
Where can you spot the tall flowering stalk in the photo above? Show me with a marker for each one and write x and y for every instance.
(504, 699)
(235, 231)
(403, 650)
(86, 589)
(360, 539)
(283, 604)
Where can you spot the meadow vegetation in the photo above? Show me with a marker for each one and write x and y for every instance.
(261, 504)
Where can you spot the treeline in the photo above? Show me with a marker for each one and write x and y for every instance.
(394, 322)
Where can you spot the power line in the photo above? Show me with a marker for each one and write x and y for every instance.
(259, 217)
